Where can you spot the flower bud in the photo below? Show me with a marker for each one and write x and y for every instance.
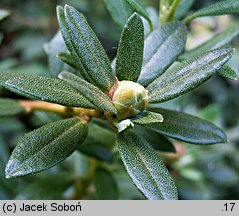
(129, 99)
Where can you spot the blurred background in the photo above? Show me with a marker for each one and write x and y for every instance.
(200, 172)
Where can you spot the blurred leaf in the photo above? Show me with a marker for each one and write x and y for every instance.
(227, 72)
(1, 38)
(105, 185)
(130, 51)
(210, 113)
(55, 46)
(147, 118)
(4, 153)
(188, 128)
(43, 88)
(219, 8)
(155, 139)
(137, 7)
(145, 167)
(85, 47)
(4, 13)
(119, 11)
(9, 107)
(98, 143)
(89, 91)
(8, 63)
(183, 7)
(162, 45)
(154, 17)
(47, 187)
(44, 147)
(127, 189)
(217, 41)
(184, 77)
(33, 68)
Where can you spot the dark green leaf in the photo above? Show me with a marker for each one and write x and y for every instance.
(105, 185)
(1, 38)
(183, 8)
(97, 151)
(161, 49)
(85, 47)
(137, 7)
(47, 187)
(43, 88)
(4, 13)
(4, 153)
(9, 107)
(46, 146)
(227, 72)
(215, 42)
(145, 167)
(67, 58)
(187, 128)
(98, 143)
(147, 118)
(119, 11)
(216, 9)
(89, 91)
(68, 43)
(155, 139)
(184, 77)
(130, 51)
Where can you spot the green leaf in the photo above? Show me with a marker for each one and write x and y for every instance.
(44, 88)
(187, 128)
(98, 143)
(155, 139)
(145, 167)
(85, 47)
(44, 147)
(184, 77)
(130, 51)
(67, 58)
(161, 49)
(215, 42)
(4, 13)
(137, 7)
(9, 107)
(216, 9)
(1, 38)
(105, 185)
(183, 7)
(147, 118)
(119, 11)
(68, 43)
(89, 91)
(227, 72)
(46, 187)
